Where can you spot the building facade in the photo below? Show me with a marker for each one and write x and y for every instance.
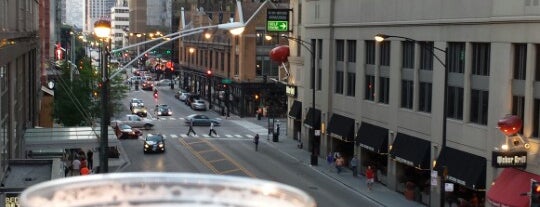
(95, 10)
(119, 25)
(241, 73)
(383, 101)
(20, 87)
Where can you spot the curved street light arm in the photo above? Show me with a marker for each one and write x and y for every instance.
(305, 44)
(382, 37)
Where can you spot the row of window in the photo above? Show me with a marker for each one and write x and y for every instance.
(454, 62)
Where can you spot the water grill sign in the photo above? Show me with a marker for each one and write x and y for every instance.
(509, 159)
(277, 20)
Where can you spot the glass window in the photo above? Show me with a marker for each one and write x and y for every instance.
(456, 57)
(479, 106)
(426, 55)
(536, 118)
(339, 82)
(351, 83)
(408, 54)
(480, 58)
(340, 50)
(455, 102)
(424, 103)
(520, 61)
(384, 53)
(384, 88)
(518, 107)
(370, 88)
(351, 51)
(370, 52)
(407, 94)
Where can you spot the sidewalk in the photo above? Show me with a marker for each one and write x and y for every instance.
(380, 193)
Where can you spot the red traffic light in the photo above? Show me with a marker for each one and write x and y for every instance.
(169, 64)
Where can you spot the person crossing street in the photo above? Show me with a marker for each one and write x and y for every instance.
(212, 130)
(191, 129)
(256, 141)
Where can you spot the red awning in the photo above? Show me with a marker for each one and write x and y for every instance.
(506, 192)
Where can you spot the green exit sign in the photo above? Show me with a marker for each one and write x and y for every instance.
(277, 26)
(277, 20)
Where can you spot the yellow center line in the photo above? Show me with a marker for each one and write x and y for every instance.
(206, 163)
(218, 160)
(205, 151)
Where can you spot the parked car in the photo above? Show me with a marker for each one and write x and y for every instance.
(133, 79)
(201, 120)
(163, 82)
(181, 95)
(198, 105)
(191, 97)
(124, 131)
(162, 110)
(147, 86)
(154, 143)
(135, 102)
(135, 122)
(139, 111)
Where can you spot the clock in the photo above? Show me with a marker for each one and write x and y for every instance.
(50, 84)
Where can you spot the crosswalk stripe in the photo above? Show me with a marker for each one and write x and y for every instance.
(228, 135)
(174, 136)
(195, 135)
(184, 135)
(172, 118)
(249, 136)
(237, 135)
(205, 135)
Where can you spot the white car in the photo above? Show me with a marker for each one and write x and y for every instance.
(133, 79)
(135, 122)
(163, 82)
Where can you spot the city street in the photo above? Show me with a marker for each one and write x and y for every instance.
(231, 152)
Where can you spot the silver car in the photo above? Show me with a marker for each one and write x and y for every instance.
(198, 105)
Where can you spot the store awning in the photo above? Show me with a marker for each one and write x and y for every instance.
(463, 168)
(296, 110)
(311, 121)
(373, 138)
(66, 137)
(411, 151)
(508, 187)
(341, 127)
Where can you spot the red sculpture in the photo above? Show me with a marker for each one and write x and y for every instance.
(280, 53)
(510, 124)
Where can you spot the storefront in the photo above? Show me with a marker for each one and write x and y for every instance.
(341, 136)
(511, 180)
(466, 173)
(373, 142)
(295, 114)
(313, 121)
(411, 156)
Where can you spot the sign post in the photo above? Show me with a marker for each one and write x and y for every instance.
(277, 20)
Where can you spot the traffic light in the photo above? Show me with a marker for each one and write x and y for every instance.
(168, 51)
(535, 193)
(169, 64)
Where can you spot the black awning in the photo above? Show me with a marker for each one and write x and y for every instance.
(463, 168)
(341, 127)
(373, 138)
(296, 110)
(311, 121)
(411, 151)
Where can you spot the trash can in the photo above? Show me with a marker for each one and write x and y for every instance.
(275, 137)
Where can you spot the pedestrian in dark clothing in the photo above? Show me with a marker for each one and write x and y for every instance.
(90, 159)
(191, 129)
(212, 130)
(277, 129)
(339, 164)
(256, 141)
(354, 166)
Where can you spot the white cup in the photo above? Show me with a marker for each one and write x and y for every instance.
(163, 190)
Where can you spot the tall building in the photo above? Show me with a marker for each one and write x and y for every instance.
(383, 101)
(20, 87)
(74, 13)
(95, 10)
(119, 24)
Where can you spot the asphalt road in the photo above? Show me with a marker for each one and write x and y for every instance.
(230, 153)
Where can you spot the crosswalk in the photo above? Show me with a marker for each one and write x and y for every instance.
(219, 136)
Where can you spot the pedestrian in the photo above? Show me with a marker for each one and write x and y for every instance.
(370, 177)
(212, 130)
(67, 165)
(339, 164)
(75, 167)
(330, 159)
(277, 129)
(354, 166)
(256, 141)
(191, 128)
(90, 158)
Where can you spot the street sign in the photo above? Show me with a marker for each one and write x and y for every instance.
(277, 20)
(226, 81)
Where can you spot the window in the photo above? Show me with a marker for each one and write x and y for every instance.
(319, 79)
(520, 60)
(339, 82)
(370, 52)
(537, 66)
(407, 94)
(340, 50)
(384, 90)
(479, 106)
(351, 51)
(455, 102)
(258, 66)
(319, 69)
(480, 58)
(518, 107)
(384, 53)
(408, 54)
(536, 117)
(351, 83)
(424, 103)
(426, 55)
(456, 57)
(370, 88)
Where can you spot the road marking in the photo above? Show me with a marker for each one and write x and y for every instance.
(249, 136)
(237, 135)
(172, 118)
(173, 136)
(217, 160)
(228, 135)
(184, 135)
(206, 135)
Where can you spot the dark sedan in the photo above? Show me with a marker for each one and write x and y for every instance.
(154, 143)
(147, 86)
(124, 131)
(201, 120)
(163, 110)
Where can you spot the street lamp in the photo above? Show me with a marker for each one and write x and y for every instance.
(102, 29)
(382, 37)
(315, 131)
